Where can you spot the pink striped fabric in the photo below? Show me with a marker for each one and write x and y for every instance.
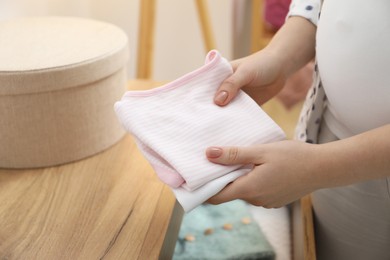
(174, 124)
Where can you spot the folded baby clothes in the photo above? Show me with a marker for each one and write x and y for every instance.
(175, 123)
(191, 199)
(222, 232)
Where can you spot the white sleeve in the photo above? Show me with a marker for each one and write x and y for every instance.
(309, 9)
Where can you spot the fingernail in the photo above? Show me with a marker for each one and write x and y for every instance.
(221, 97)
(214, 152)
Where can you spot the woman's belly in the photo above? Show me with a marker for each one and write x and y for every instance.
(353, 53)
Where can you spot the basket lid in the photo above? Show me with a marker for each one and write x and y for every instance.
(40, 54)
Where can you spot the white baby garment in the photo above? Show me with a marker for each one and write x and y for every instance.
(174, 124)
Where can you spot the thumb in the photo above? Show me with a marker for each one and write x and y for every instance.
(234, 190)
(233, 155)
(230, 86)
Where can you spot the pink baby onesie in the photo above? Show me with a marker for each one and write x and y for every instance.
(174, 124)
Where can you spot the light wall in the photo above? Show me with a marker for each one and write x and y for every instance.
(178, 42)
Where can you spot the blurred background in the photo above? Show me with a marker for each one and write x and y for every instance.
(178, 42)
(177, 30)
(237, 28)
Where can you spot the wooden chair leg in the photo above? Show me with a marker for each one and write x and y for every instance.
(257, 25)
(146, 39)
(261, 34)
(204, 19)
(303, 230)
(146, 35)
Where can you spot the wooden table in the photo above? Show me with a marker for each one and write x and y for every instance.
(108, 206)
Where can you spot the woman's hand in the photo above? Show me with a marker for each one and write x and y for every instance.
(263, 74)
(260, 75)
(283, 172)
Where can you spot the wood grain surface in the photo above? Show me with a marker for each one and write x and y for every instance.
(108, 206)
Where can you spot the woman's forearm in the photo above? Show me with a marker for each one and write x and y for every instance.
(359, 158)
(294, 43)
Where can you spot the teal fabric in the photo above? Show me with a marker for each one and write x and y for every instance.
(243, 241)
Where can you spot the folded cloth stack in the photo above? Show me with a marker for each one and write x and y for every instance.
(221, 232)
(175, 123)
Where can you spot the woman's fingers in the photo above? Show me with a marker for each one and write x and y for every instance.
(234, 190)
(234, 155)
(229, 88)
